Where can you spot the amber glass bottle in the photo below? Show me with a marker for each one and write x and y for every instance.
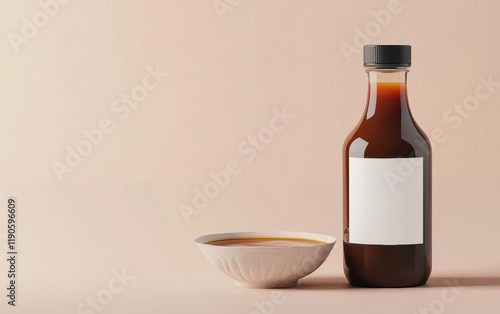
(387, 181)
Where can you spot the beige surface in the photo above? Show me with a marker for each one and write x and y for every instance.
(119, 206)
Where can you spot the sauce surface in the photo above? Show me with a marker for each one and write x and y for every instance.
(265, 242)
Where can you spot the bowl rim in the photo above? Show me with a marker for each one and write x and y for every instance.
(327, 239)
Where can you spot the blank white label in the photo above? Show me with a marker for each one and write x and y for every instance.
(386, 200)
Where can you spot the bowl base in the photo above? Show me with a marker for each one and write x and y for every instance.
(265, 285)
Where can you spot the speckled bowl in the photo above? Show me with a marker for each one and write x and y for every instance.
(266, 267)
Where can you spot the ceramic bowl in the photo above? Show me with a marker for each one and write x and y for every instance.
(266, 267)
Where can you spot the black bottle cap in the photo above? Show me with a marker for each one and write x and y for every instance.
(387, 56)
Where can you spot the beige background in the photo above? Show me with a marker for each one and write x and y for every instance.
(226, 72)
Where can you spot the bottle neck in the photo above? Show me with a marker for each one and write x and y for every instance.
(387, 95)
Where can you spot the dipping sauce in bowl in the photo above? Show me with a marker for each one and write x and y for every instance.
(265, 242)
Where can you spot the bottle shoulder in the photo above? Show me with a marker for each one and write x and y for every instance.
(380, 142)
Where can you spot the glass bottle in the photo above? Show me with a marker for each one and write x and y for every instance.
(387, 181)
